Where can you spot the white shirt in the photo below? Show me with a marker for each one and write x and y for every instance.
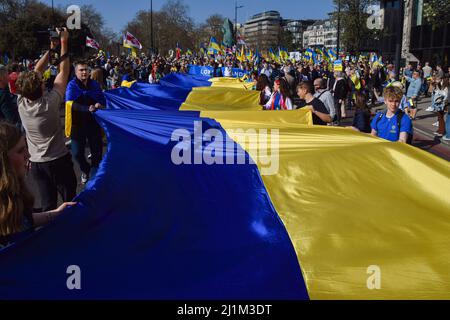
(267, 72)
(267, 92)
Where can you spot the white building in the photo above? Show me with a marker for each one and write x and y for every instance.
(321, 33)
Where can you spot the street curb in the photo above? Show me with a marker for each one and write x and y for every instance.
(426, 133)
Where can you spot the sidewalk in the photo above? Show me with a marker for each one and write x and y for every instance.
(424, 137)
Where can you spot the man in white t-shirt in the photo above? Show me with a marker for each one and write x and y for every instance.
(51, 163)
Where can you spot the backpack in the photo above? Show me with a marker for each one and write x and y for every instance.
(399, 122)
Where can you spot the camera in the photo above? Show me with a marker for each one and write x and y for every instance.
(53, 34)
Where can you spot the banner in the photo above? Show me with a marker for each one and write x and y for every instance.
(208, 71)
(236, 73)
(338, 65)
(201, 71)
(295, 56)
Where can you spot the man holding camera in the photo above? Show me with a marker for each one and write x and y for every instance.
(51, 166)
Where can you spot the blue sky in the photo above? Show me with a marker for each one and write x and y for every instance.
(118, 12)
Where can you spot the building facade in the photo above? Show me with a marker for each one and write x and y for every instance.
(322, 33)
(420, 41)
(297, 28)
(263, 29)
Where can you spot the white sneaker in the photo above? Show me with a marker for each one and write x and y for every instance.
(84, 178)
(436, 124)
(445, 138)
(430, 109)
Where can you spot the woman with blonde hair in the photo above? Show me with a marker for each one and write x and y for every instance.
(97, 75)
(16, 202)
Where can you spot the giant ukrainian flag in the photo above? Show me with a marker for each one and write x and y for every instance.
(338, 205)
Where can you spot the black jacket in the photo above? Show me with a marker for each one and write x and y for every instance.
(341, 90)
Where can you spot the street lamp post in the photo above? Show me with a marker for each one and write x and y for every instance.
(151, 27)
(398, 45)
(338, 29)
(53, 15)
(236, 7)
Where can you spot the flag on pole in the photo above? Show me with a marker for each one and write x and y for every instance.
(284, 55)
(241, 56)
(130, 41)
(92, 43)
(214, 46)
(223, 48)
(249, 55)
(257, 56)
(178, 50)
(332, 54)
(272, 54)
(309, 53)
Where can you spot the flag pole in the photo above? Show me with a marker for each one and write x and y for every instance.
(151, 26)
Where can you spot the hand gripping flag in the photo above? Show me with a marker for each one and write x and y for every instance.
(130, 41)
(73, 92)
(92, 43)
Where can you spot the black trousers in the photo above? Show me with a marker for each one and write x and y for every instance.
(337, 107)
(53, 177)
(93, 135)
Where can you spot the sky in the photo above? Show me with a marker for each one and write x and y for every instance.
(117, 13)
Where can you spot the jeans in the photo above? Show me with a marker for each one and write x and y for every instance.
(447, 125)
(92, 134)
(54, 177)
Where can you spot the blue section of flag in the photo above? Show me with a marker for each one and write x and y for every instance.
(146, 97)
(180, 80)
(146, 228)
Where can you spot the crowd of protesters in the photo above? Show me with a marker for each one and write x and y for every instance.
(33, 92)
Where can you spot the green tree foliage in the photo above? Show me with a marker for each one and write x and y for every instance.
(353, 27)
(22, 27)
(286, 39)
(437, 12)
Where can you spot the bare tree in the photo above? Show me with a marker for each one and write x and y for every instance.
(171, 25)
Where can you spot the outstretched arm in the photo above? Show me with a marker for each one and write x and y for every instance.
(62, 78)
